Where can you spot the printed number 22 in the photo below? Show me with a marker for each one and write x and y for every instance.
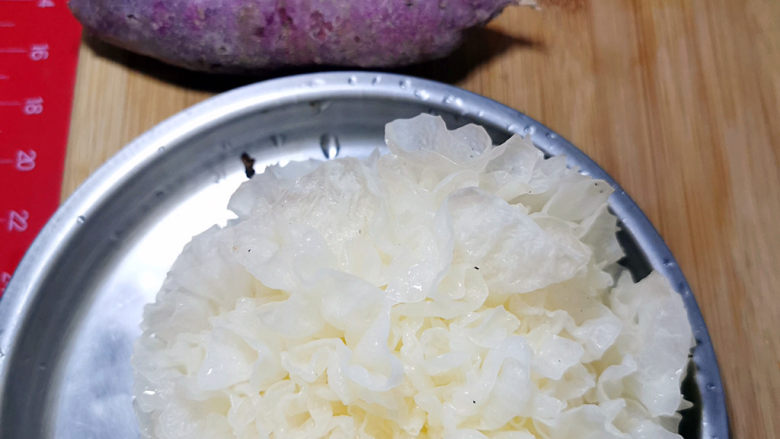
(17, 220)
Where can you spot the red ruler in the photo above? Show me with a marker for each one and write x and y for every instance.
(39, 43)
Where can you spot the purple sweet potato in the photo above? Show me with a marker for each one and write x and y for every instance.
(246, 35)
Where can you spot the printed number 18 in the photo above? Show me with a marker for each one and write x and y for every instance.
(33, 106)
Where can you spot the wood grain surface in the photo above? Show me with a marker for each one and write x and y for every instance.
(678, 100)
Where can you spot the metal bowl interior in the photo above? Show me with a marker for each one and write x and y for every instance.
(72, 309)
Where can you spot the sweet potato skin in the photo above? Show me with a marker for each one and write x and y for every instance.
(247, 35)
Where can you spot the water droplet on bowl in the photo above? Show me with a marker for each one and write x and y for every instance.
(453, 100)
(405, 83)
(277, 140)
(511, 128)
(81, 219)
(550, 135)
(711, 387)
(377, 79)
(319, 106)
(422, 94)
(352, 80)
(529, 130)
(161, 149)
(330, 146)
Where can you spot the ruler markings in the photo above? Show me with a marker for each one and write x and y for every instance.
(39, 42)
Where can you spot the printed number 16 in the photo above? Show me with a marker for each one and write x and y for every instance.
(39, 52)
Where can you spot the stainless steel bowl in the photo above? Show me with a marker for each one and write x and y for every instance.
(71, 312)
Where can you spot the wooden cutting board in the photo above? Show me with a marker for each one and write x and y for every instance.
(678, 100)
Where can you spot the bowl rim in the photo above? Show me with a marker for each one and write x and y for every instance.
(21, 292)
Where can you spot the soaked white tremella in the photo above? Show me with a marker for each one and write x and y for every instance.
(447, 289)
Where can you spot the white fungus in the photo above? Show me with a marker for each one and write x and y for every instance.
(447, 289)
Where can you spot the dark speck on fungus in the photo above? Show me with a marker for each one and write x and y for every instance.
(249, 164)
